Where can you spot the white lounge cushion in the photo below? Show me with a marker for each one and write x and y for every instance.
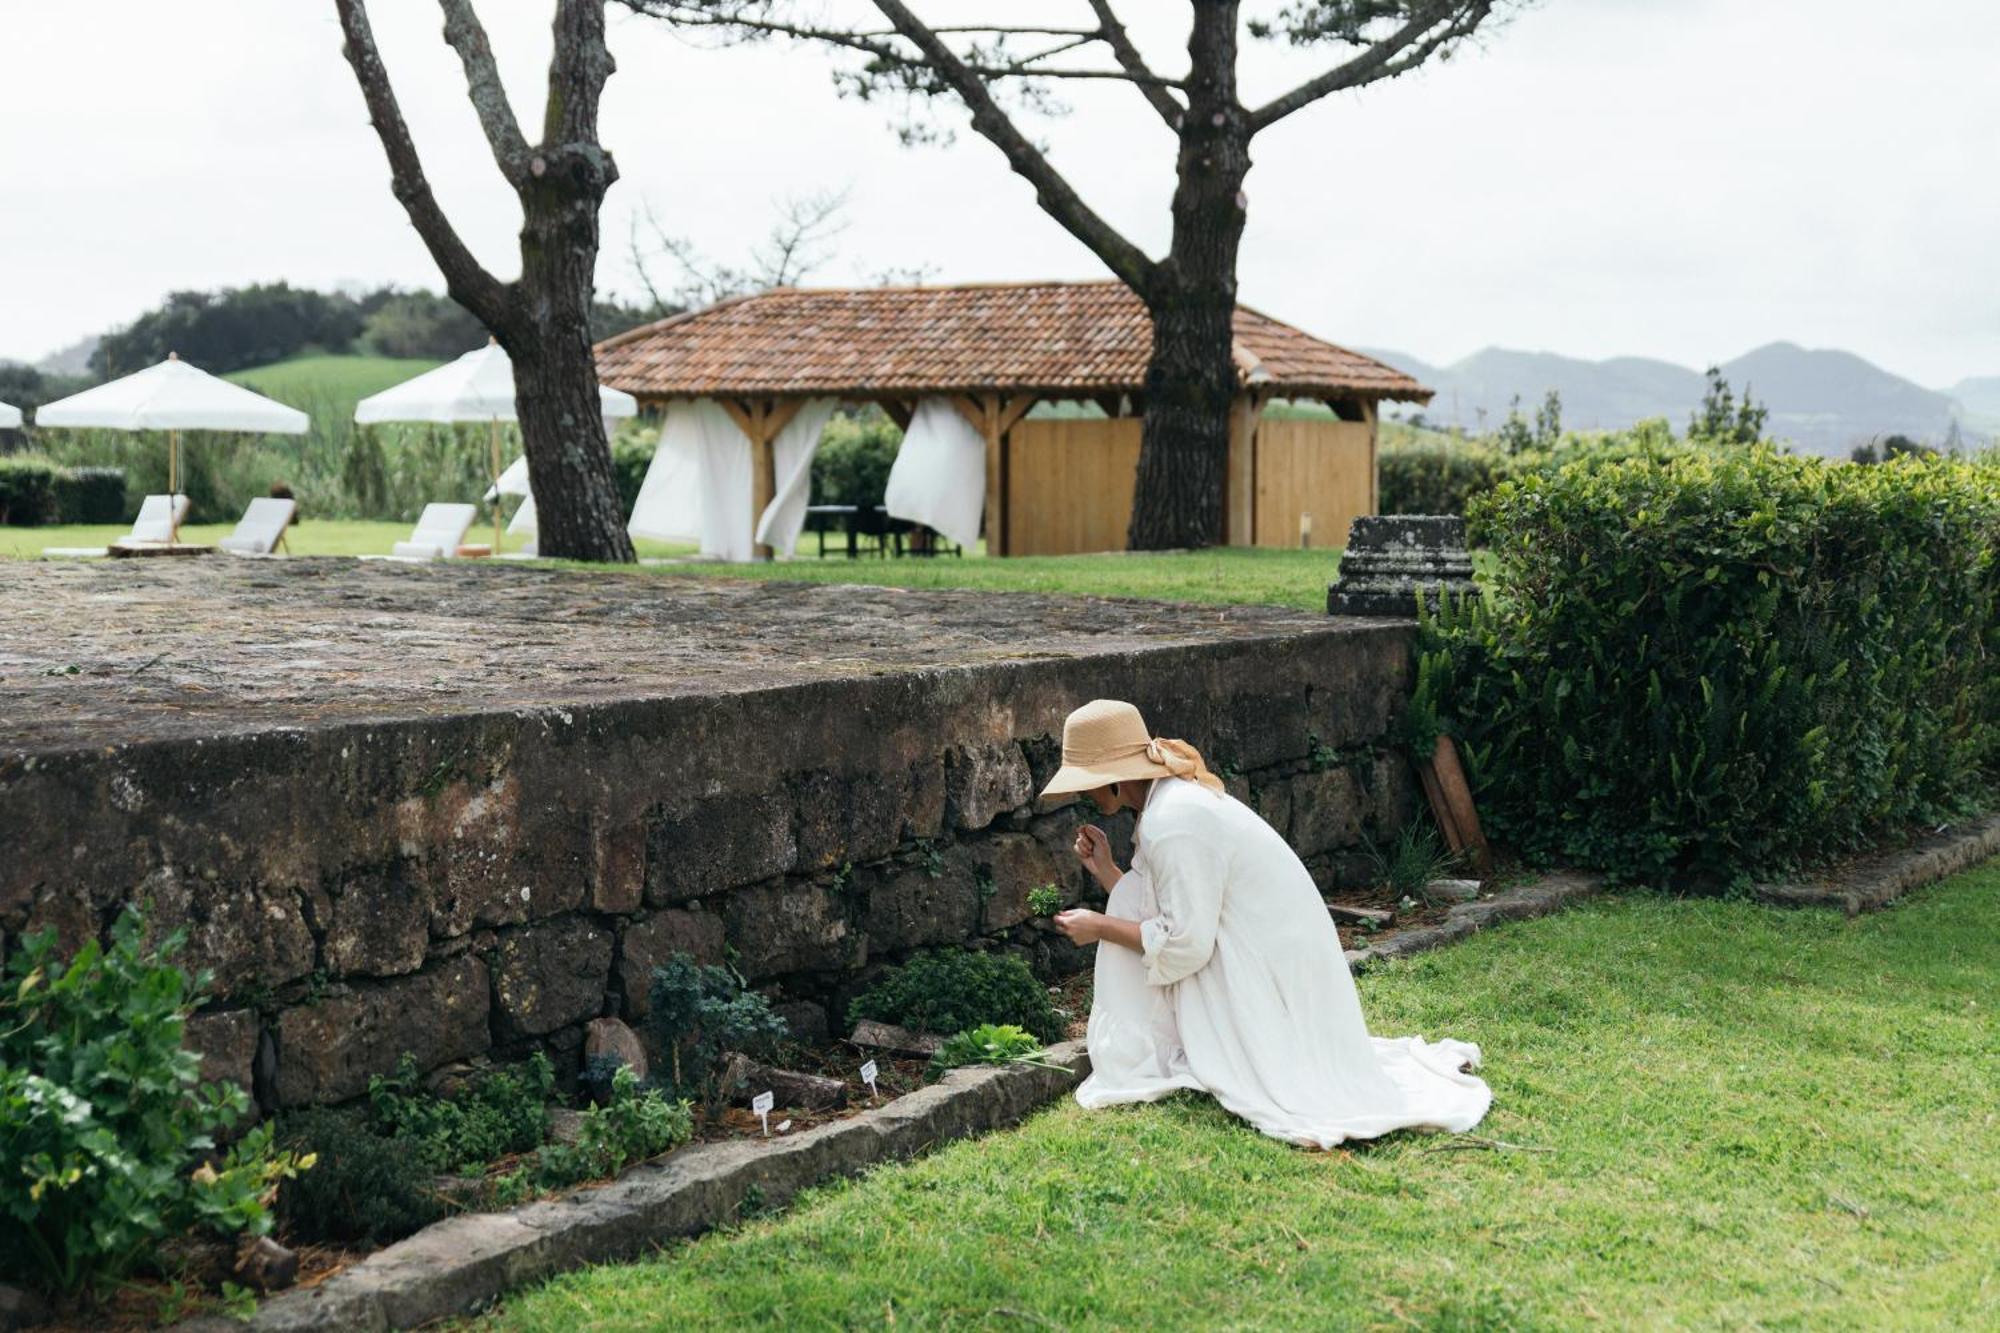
(263, 526)
(157, 518)
(440, 530)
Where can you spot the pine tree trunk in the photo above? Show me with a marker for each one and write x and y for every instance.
(1191, 378)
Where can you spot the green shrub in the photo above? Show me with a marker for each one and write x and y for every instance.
(1438, 477)
(107, 1134)
(28, 491)
(987, 1044)
(1045, 900)
(1412, 861)
(365, 1185)
(91, 495)
(854, 458)
(1724, 661)
(955, 989)
(633, 1125)
(503, 1111)
(631, 454)
(697, 1014)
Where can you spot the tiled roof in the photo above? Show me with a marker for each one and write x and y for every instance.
(1049, 337)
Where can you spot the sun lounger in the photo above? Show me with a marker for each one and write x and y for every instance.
(262, 528)
(440, 531)
(155, 524)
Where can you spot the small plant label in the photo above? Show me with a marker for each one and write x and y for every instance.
(784, 1126)
(762, 1104)
(868, 1072)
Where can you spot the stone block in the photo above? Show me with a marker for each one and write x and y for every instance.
(227, 1044)
(1013, 864)
(604, 1037)
(1271, 798)
(806, 1020)
(617, 866)
(644, 945)
(983, 781)
(719, 842)
(909, 907)
(1327, 810)
(551, 974)
(327, 1050)
(376, 924)
(789, 926)
(1393, 559)
(246, 934)
(843, 817)
(478, 863)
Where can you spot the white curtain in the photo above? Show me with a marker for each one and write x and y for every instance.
(939, 477)
(698, 487)
(792, 454)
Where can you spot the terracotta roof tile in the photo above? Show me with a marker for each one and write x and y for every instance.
(1048, 337)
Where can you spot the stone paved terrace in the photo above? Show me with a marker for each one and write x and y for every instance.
(113, 652)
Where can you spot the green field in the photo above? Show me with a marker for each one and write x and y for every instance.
(1708, 1114)
(313, 383)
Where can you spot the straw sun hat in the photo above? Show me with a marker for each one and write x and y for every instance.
(1106, 741)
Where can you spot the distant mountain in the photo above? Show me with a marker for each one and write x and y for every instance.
(1980, 397)
(71, 360)
(1824, 401)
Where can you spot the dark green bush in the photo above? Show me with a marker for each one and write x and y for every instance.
(107, 1134)
(1726, 661)
(28, 491)
(364, 1186)
(697, 1014)
(91, 495)
(503, 1111)
(955, 989)
(854, 458)
(631, 454)
(1438, 477)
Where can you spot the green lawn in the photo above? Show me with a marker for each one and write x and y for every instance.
(1726, 1116)
(1227, 575)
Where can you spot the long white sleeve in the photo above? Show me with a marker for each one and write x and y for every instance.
(1187, 871)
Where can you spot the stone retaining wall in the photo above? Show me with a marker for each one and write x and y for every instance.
(487, 882)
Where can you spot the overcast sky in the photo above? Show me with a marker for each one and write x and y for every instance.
(1676, 178)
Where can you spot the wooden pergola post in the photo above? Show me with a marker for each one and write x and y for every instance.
(992, 416)
(760, 420)
(1239, 506)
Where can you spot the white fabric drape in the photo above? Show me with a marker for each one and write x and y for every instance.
(939, 477)
(698, 487)
(792, 455)
(1242, 991)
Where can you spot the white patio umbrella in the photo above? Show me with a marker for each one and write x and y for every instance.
(174, 396)
(479, 386)
(10, 417)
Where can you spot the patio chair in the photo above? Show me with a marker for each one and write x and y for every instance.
(440, 531)
(263, 527)
(158, 517)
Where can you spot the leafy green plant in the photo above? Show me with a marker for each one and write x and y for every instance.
(107, 1134)
(987, 1044)
(503, 1111)
(28, 491)
(633, 1125)
(1045, 900)
(699, 1012)
(1715, 662)
(367, 1185)
(955, 989)
(1412, 861)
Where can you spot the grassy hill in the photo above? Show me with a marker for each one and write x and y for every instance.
(333, 384)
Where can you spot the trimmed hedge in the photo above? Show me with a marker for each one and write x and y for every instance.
(27, 492)
(91, 495)
(1722, 663)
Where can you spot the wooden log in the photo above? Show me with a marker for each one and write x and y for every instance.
(1362, 916)
(1450, 798)
(745, 1078)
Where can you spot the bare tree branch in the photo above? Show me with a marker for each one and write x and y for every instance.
(1055, 194)
(578, 69)
(464, 33)
(467, 281)
(1429, 28)
(1129, 60)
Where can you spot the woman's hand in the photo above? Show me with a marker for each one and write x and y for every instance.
(1093, 849)
(1082, 925)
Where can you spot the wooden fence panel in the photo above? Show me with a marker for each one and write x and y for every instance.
(1069, 484)
(1313, 466)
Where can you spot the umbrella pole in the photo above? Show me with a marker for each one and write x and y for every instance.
(494, 439)
(173, 488)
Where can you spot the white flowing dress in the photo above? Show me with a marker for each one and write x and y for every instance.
(1243, 991)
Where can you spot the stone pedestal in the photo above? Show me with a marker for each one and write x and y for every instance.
(1392, 558)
